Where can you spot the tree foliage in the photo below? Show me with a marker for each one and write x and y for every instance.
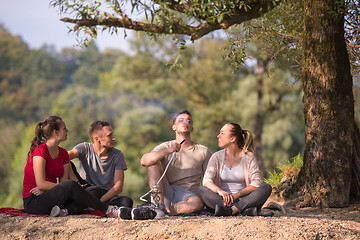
(27, 76)
(282, 28)
(192, 18)
(352, 32)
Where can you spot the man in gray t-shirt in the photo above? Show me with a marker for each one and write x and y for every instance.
(101, 165)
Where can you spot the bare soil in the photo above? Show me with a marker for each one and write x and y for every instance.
(296, 223)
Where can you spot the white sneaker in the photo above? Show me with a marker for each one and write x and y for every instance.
(113, 212)
(56, 211)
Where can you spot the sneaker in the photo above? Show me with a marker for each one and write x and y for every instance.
(250, 212)
(55, 211)
(276, 206)
(113, 212)
(142, 213)
(64, 212)
(125, 213)
(223, 211)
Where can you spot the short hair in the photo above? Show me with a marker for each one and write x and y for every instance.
(97, 125)
(179, 113)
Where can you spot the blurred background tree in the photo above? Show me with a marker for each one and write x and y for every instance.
(139, 93)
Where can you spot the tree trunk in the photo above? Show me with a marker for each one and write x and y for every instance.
(330, 150)
(259, 123)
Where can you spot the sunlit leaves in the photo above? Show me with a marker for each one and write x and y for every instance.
(281, 29)
(192, 18)
(352, 32)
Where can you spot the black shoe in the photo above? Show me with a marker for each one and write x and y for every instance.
(125, 213)
(143, 213)
(222, 211)
(249, 212)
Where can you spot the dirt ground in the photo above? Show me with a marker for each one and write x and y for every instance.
(304, 223)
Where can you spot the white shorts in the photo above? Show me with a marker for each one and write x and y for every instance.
(174, 194)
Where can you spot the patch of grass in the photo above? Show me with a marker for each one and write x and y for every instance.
(274, 178)
(289, 167)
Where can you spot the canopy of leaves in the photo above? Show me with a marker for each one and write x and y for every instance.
(282, 30)
(192, 18)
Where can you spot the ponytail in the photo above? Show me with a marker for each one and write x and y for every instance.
(37, 139)
(43, 131)
(244, 138)
(249, 142)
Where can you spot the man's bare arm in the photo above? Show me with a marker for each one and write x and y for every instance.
(154, 157)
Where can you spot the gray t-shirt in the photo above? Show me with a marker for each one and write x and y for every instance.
(187, 168)
(96, 171)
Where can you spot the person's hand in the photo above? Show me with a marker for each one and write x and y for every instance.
(175, 147)
(36, 191)
(83, 185)
(227, 197)
(234, 197)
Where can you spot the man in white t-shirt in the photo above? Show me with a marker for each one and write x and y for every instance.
(184, 175)
(101, 166)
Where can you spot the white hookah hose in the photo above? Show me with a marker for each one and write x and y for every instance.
(162, 176)
(167, 166)
(142, 197)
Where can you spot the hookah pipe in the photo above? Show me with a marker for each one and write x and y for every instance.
(155, 190)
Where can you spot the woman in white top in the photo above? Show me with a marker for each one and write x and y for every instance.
(233, 181)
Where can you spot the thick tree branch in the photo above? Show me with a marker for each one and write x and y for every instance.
(127, 23)
(195, 32)
(177, 28)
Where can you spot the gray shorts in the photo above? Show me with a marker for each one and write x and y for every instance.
(174, 194)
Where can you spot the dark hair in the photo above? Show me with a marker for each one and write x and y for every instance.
(97, 125)
(44, 130)
(179, 113)
(244, 138)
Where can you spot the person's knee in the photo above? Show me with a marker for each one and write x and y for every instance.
(70, 184)
(127, 201)
(95, 191)
(72, 187)
(267, 189)
(202, 190)
(195, 204)
(66, 187)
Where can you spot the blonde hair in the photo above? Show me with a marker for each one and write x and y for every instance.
(244, 138)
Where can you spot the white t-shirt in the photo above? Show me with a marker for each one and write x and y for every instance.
(233, 179)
